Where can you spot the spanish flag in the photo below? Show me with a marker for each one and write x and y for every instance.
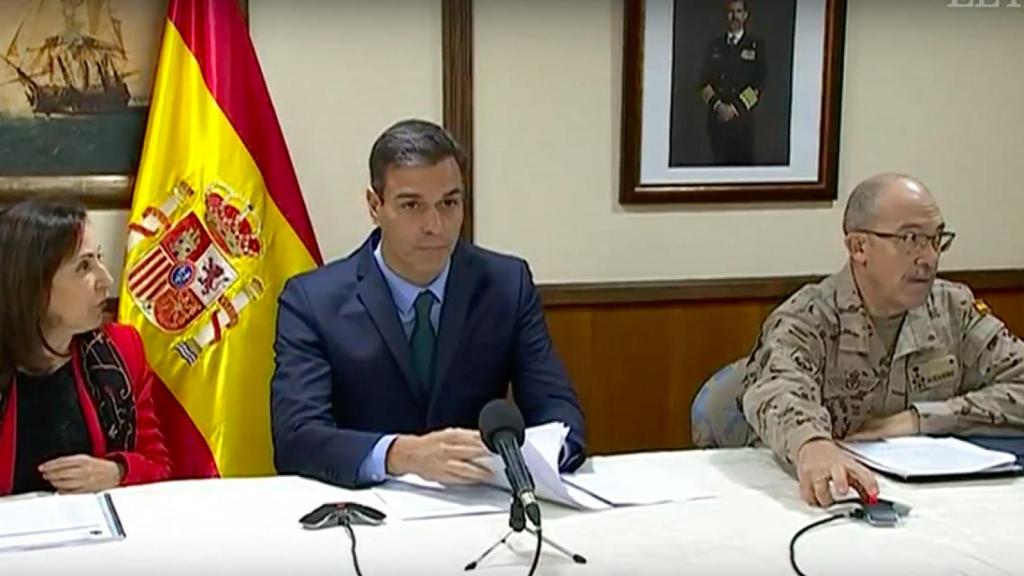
(217, 225)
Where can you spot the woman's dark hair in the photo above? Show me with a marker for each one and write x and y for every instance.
(36, 236)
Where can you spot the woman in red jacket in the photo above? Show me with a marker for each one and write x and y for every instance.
(76, 414)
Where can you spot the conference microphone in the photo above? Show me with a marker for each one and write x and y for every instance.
(503, 431)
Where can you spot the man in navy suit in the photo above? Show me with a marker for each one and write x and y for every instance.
(385, 358)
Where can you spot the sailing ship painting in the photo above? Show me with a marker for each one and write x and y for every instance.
(75, 79)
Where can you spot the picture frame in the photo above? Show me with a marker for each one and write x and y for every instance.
(84, 142)
(722, 103)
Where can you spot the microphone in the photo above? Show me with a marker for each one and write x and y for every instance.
(503, 431)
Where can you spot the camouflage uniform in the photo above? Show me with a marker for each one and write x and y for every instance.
(820, 371)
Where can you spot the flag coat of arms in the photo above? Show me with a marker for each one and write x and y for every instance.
(217, 226)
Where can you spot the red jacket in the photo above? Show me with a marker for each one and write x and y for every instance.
(148, 461)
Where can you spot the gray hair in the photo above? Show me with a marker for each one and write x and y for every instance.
(411, 143)
(862, 205)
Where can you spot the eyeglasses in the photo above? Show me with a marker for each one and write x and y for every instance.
(910, 241)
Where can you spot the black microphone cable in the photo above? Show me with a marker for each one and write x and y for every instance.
(857, 512)
(536, 553)
(352, 536)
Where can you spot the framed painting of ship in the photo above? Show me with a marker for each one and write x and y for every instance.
(75, 82)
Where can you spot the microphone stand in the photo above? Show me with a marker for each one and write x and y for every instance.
(517, 523)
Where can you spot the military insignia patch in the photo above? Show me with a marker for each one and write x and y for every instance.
(981, 307)
(190, 281)
(749, 54)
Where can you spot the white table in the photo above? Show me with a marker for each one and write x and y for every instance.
(249, 526)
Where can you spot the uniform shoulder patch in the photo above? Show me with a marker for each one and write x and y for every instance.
(981, 307)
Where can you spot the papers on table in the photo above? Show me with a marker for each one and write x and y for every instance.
(410, 497)
(601, 484)
(541, 449)
(28, 523)
(922, 457)
(625, 481)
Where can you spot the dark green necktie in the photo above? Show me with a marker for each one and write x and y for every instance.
(422, 342)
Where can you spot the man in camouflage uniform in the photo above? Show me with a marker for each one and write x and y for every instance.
(731, 84)
(880, 349)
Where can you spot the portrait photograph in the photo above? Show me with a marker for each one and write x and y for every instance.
(732, 76)
(731, 100)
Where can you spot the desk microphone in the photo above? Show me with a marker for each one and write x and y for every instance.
(503, 431)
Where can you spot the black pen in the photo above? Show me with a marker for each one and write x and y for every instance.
(115, 519)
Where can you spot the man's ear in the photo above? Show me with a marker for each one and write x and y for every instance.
(373, 204)
(856, 244)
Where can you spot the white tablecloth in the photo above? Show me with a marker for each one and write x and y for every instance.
(249, 526)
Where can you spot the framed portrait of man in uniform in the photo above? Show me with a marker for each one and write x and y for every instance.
(731, 100)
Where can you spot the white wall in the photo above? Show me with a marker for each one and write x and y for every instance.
(339, 73)
(111, 227)
(928, 90)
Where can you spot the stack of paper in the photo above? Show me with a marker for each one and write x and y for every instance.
(601, 484)
(47, 521)
(410, 497)
(627, 481)
(922, 457)
(541, 450)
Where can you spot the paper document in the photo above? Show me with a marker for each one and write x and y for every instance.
(541, 449)
(923, 456)
(410, 497)
(631, 481)
(48, 521)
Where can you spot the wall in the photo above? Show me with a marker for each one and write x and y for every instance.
(111, 227)
(547, 117)
(339, 73)
(927, 90)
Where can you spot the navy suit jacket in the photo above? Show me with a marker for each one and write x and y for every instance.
(344, 375)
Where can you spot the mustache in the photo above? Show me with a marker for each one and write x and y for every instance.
(921, 276)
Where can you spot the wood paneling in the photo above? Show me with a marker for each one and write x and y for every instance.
(771, 287)
(637, 353)
(457, 65)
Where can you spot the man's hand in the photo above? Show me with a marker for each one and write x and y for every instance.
(444, 456)
(726, 112)
(819, 463)
(906, 423)
(81, 473)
